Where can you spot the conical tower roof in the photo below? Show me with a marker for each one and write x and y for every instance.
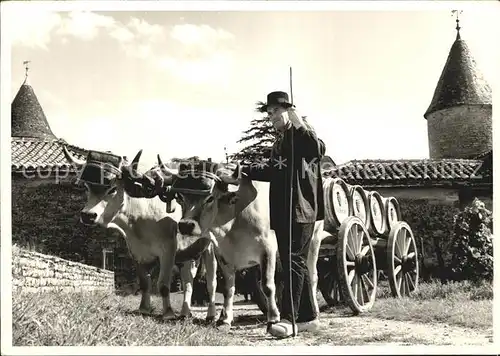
(28, 118)
(461, 82)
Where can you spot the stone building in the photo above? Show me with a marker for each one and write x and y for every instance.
(459, 124)
(37, 155)
(45, 199)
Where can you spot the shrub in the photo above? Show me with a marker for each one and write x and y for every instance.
(432, 226)
(472, 246)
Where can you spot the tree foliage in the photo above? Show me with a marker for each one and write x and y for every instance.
(472, 247)
(259, 139)
(432, 226)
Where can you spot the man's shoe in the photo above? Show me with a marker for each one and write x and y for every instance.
(312, 325)
(282, 330)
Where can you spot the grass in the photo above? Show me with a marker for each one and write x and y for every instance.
(462, 304)
(96, 319)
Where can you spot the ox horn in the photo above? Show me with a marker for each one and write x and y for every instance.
(167, 171)
(166, 176)
(77, 162)
(135, 161)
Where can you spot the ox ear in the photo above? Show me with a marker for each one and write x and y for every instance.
(233, 178)
(229, 198)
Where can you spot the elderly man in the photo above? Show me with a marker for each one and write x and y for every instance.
(295, 159)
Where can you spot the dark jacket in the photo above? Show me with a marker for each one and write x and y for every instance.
(307, 201)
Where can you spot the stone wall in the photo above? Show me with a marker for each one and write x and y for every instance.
(45, 218)
(32, 271)
(460, 132)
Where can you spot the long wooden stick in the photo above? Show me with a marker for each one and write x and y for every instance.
(290, 228)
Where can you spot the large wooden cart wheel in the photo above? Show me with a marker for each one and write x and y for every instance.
(356, 265)
(328, 281)
(402, 260)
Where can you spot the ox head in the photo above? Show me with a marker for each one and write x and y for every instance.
(107, 179)
(206, 200)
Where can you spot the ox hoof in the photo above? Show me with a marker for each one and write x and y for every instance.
(270, 324)
(223, 325)
(210, 319)
(145, 311)
(169, 315)
(185, 317)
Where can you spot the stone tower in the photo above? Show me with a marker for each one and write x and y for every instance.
(28, 118)
(459, 117)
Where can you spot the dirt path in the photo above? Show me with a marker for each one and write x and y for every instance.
(338, 329)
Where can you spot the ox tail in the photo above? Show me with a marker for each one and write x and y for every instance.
(193, 251)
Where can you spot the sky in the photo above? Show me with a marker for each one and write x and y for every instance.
(186, 83)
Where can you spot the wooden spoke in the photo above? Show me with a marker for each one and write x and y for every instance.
(410, 283)
(402, 284)
(356, 237)
(354, 285)
(357, 276)
(402, 259)
(397, 269)
(352, 241)
(365, 296)
(407, 244)
(328, 282)
(350, 252)
(367, 281)
(351, 276)
(397, 250)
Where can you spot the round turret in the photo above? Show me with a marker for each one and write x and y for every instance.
(459, 117)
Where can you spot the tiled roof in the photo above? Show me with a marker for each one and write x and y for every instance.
(487, 167)
(409, 172)
(28, 118)
(30, 154)
(488, 154)
(461, 82)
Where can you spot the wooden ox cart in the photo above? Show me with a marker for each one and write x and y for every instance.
(367, 235)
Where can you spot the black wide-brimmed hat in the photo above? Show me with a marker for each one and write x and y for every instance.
(277, 98)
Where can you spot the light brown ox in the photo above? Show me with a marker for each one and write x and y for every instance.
(148, 229)
(237, 222)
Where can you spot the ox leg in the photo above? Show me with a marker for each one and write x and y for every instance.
(164, 281)
(312, 261)
(188, 272)
(268, 270)
(145, 285)
(210, 263)
(226, 315)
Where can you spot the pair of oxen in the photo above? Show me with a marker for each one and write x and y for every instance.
(212, 213)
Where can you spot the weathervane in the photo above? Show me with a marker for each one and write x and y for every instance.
(457, 12)
(25, 63)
